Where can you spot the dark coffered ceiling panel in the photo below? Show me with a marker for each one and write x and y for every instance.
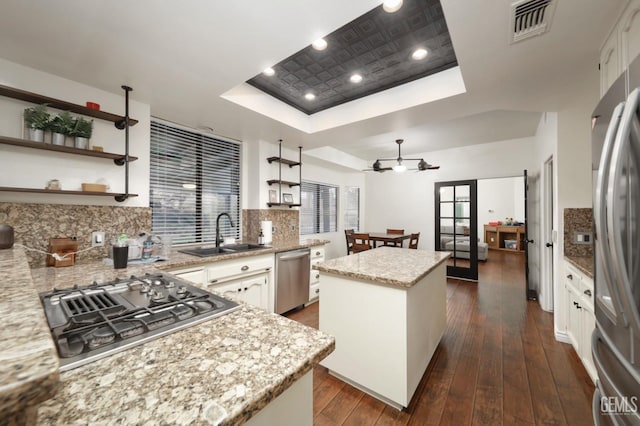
(378, 46)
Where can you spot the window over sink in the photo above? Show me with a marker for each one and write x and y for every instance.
(194, 177)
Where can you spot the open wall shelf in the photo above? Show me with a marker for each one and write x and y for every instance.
(116, 195)
(284, 204)
(117, 158)
(283, 182)
(35, 98)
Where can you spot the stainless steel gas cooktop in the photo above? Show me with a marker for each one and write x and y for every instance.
(98, 320)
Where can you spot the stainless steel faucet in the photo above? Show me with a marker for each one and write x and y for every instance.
(218, 226)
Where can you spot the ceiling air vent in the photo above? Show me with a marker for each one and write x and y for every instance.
(530, 18)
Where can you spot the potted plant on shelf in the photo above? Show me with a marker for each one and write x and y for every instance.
(82, 131)
(61, 125)
(36, 119)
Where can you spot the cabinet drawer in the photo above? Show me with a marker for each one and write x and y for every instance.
(317, 252)
(314, 291)
(231, 269)
(314, 277)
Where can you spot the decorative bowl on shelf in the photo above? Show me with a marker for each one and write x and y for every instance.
(94, 187)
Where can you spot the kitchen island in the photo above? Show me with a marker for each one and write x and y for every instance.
(387, 310)
(246, 366)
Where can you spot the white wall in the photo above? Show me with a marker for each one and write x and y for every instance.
(407, 200)
(499, 199)
(29, 168)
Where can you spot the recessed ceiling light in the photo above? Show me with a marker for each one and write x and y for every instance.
(319, 44)
(269, 71)
(356, 78)
(309, 96)
(419, 54)
(391, 6)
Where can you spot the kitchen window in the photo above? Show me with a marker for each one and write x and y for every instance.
(352, 208)
(319, 210)
(194, 177)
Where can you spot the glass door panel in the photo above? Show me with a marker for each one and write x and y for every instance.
(456, 222)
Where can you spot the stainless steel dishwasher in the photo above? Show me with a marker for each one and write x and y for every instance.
(292, 279)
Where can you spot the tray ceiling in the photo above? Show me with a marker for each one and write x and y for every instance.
(377, 45)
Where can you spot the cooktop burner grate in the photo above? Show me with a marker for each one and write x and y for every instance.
(91, 322)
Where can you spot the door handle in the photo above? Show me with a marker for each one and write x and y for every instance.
(549, 244)
(529, 241)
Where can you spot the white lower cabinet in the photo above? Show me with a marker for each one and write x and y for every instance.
(196, 275)
(317, 256)
(252, 290)
(580, 315)
(248, 279)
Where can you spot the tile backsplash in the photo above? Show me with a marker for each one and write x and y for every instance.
(577, 221)
(284, 222)
(34, 224)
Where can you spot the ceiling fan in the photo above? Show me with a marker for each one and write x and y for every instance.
(400, 167)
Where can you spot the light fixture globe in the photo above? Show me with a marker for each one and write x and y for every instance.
(400, 168)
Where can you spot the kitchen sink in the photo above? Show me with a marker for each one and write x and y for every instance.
(206, 251)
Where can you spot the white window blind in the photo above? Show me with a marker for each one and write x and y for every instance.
(319, 210)
(352, 208)
(194, 177)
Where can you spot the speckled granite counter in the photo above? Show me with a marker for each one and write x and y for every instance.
(29, 367)
(583, 263)
(222, 371)
(387, 265)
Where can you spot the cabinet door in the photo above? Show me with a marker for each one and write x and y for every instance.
(629, 35)
(609, 62)
(588, 324)
(254, 292)
(574, 319)
(231, 289)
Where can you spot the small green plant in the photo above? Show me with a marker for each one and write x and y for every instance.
(62, 123)
(82, 128)
(37, 117)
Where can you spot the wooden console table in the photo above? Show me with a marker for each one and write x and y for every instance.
(495, 237)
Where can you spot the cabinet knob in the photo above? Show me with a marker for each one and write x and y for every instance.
(587, 292)
(317, 253)
(318, 276)
(239, 290)
(246, 288)
(570, 276)
(317, 290)
(244, 268)
(213, 281)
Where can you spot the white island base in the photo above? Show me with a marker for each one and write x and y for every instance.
(385, 334)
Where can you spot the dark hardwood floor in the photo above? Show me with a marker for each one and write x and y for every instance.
(497, 363)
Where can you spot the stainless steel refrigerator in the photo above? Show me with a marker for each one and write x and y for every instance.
(615, 343)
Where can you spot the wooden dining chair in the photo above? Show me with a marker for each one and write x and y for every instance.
(394, 232)
(413, 241)
(361, 242)
(348, 234)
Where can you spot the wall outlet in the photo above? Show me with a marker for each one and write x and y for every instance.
(97, 239)
(583, 238)
(293, 227)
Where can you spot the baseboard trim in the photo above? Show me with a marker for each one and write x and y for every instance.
(562, 337)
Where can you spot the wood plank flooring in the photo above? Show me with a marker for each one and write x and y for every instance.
(498, 363)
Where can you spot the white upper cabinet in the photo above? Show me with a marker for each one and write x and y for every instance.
(621, 47)
(629, 33)
(609, 63)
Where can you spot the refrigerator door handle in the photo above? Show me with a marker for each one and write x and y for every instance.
(600, 219)
(628, 132)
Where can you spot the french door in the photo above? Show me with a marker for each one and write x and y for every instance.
(456, 214)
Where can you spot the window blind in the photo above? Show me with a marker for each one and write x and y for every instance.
(194, 178)
(352, 208)
(319, 210)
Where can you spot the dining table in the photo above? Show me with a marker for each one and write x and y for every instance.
(383, 237)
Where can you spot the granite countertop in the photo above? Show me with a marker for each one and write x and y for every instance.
(388, 265)
(583, 263)
(29, 367)
(221, 371)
